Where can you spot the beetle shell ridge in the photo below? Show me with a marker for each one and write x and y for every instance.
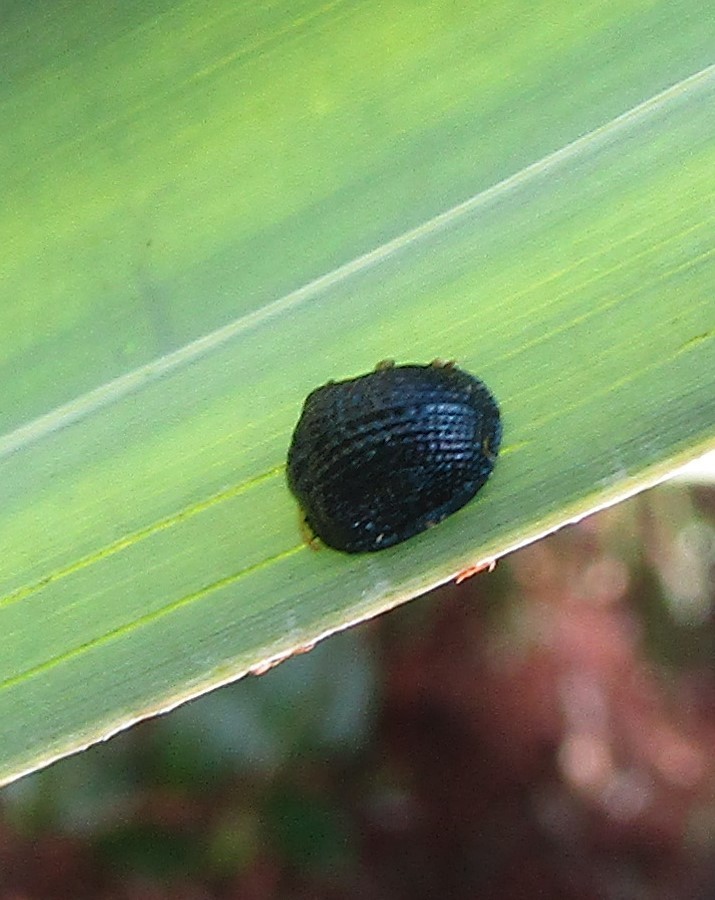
(379, 458)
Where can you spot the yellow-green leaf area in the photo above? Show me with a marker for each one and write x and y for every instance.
(257, 207)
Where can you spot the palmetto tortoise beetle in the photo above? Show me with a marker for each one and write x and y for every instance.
(379, 458)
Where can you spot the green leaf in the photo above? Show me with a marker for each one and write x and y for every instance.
(171, 170)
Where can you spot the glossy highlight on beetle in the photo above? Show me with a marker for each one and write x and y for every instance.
(379, 458)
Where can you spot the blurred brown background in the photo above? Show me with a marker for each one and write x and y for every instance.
(546, 730)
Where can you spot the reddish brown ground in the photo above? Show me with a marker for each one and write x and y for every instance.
(545, 731)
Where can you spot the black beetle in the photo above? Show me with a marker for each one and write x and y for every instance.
(376, 459)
